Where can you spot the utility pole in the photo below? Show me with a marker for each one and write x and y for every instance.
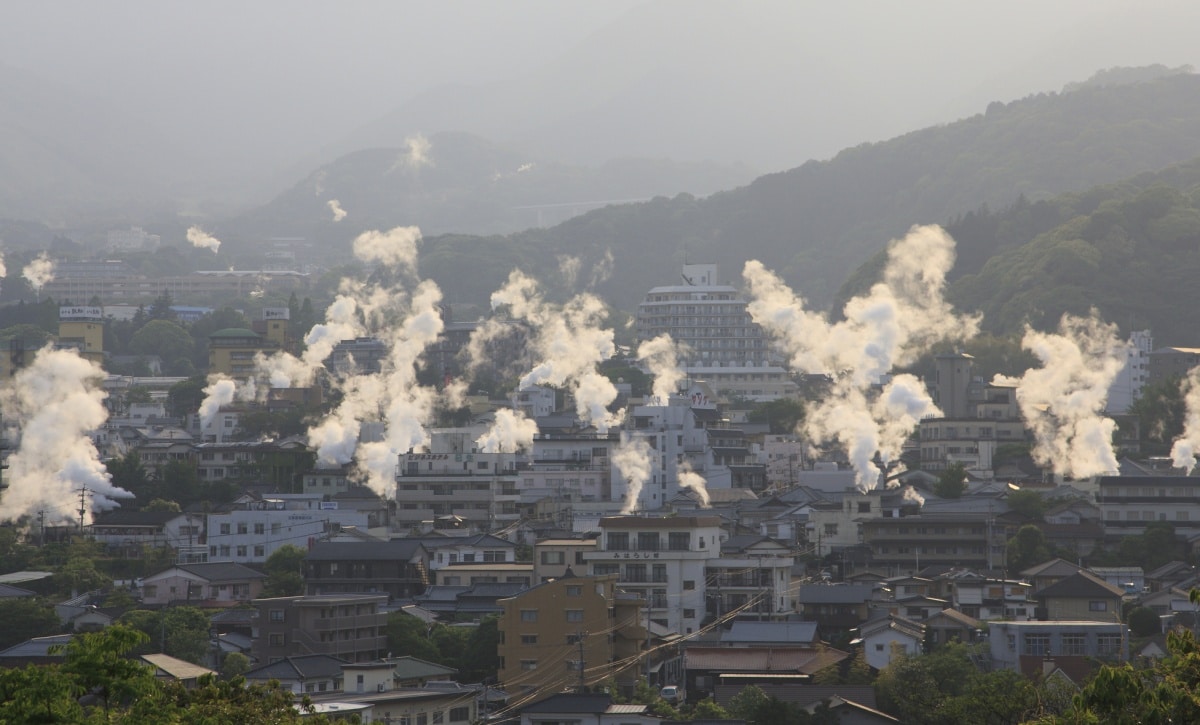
(83, 491)
(41, 527)
(579, 637)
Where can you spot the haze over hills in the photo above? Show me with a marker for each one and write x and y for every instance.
(198, 110)
(816, 223)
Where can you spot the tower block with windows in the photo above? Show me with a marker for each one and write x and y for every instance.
(82, 327)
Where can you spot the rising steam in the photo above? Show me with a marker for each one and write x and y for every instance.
(690, 479)
(199, 238)
(1062, 401)
(1183, 452)
(660, 357)
(511, 431)
(570, 342)
(335, 206)
(632, 459)
(55, 402)
(888, 327)
(39, 272)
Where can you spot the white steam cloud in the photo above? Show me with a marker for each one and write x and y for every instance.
(660, 357)
(55, 402)
(1183, 451)
(570, 343)
(415, 154)
(395, 248)
(511, 431)
(39, 272)
(199, 238)
(1062, 401)
(690, 479)
(335, 206)
(3, 269)
(890, 326)
(632, 459)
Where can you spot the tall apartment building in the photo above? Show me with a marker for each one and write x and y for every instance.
(83, 328)
(719, 343)
(455, 479)
(1127, 388)
(663, 560)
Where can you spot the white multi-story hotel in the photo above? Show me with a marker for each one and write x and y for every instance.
(719, 343)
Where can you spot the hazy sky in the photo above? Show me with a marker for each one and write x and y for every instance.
(771, 83)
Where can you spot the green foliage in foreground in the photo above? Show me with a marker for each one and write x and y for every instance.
(96, 670)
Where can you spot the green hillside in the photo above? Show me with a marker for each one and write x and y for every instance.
(817, 223)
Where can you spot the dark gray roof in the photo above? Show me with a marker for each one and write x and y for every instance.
(36, 647)
(436, 542)
(135, 518)
(834, 593)
(394, 550)
(299, 667)
(571, 703)
(8, 591)
(1081, 585)
(771, 632)
(219, 571)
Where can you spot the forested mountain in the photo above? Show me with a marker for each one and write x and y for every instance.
(817, 223)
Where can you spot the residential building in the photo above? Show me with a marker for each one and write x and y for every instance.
(709, 668)
(1129, 503)
(350, 627)
(82, 327)
(1081, 597)
(908, 543)
(573, 631)
(112, 285)
(951, 625)
(663, 560)
(305, 674)
(597, 709)
(553, 557)
(231, 351)
(455, 479)
(252, 528)
(221, 584)
(837, 607)
(131, 531)
(1011, 642)
(1167, 363)
(752, 575)
(274, 462)
(398, 568)
(887, 638)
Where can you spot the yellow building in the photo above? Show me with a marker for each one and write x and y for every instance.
(274, 326)
(82, 328)
(569, 632)
(231, 351)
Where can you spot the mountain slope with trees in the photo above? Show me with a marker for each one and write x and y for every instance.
(817, 223)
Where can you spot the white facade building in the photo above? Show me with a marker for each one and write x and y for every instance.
(1127, 388)
(253, 531)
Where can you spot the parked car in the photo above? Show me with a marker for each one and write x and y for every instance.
(672, 694)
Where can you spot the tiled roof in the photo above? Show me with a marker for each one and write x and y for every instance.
(221, 571)
(1081, 585)
(395, 550)
(783, 660)
(302, 666)
(834, 593)
(175, 667)
(771, 632)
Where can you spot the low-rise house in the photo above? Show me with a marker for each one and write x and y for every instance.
(301, 674)
(219, 584)
(470, 574)
(850, 712)
(752, 574)
(552, 557)
(988, 598)
(1043, 575)
(453, 704)
(7, 591)
(1169, 575)
(130, 531)
(951, 625)
(835, 607)
(707, 668)
(167, 667)
(252, 528)
(35, 651)
(580, 708)
(886, 638)
(747, 633)
(1081, 596)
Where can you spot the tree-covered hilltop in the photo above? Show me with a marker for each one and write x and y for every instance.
(1129, 250)
(816, 223)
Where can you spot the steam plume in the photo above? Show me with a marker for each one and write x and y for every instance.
(335, 206)
(397, 248)
(55, 402)
(199, 238)
(690, 479)
(1062, 401)
(39, 272)
(3, 269)
(632, 459)
(511, 431)
(659, 355)
(570, 343)
(911, 495)
(568, 268)
(890, 326)
(415, 154)
(1183, 451)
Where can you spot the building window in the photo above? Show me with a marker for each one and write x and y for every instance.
(1098, 606)
(276, 615)
(552, 558)
(1108, 644)
(529, 639)
(689, 584)
(618, 541)
(574, 591)
(689, 614)
(574, 615)
(493, 556)
(1037, 645)
(276, 639)
(648, 541)
(679, 541)
(831, 529)
(460, 714)
(528, 615)
(529, 665)
(260, 529)
(1073, 644)
(224, 528)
